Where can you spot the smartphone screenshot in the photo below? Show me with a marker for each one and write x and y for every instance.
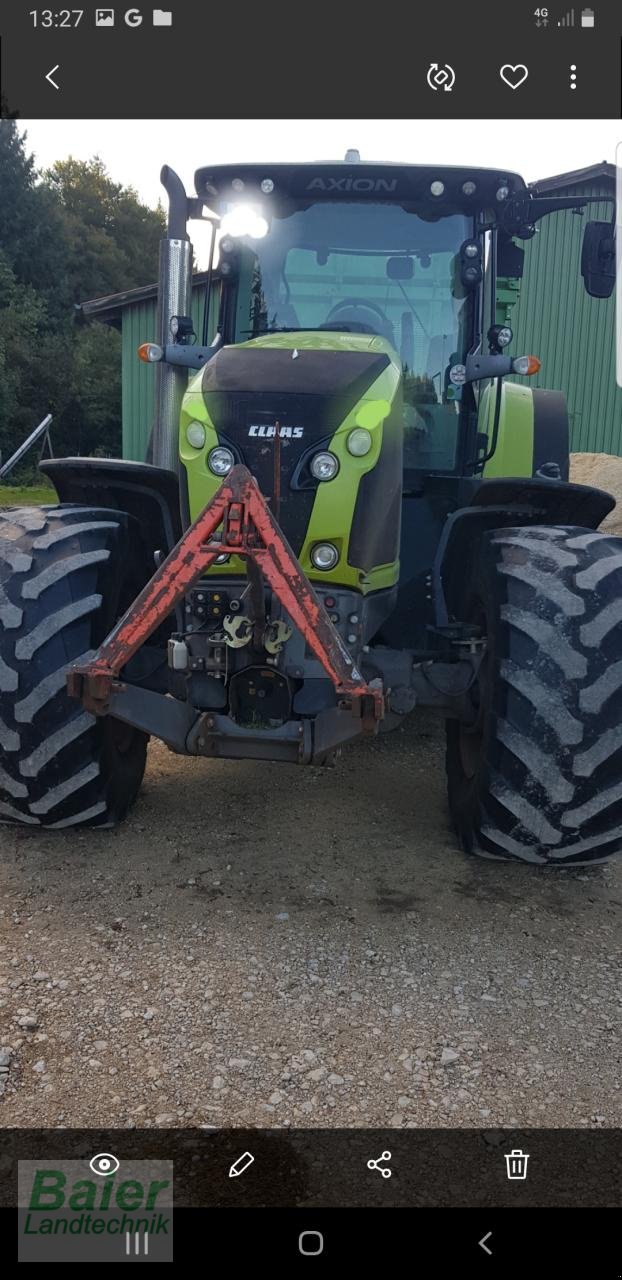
(311, 636)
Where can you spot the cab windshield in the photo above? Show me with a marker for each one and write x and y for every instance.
(377, 269)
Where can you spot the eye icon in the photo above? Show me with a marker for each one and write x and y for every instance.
(104, 1164)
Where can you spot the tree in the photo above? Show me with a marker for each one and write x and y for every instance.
(113, 238)
(71, 235)
(32, 236)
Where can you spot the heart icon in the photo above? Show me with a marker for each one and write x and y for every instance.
(514, 76)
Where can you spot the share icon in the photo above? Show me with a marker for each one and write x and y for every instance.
(375, 1164)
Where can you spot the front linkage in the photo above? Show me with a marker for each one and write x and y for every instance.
(248, 530)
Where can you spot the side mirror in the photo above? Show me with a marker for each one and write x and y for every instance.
(598, 259)
(510, 258)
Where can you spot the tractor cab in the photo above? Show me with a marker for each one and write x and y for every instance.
(355, 251)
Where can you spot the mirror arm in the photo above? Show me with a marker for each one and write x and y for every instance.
(480, 367)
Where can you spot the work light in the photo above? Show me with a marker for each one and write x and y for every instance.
(220, 461)
(243, 220)
(359, 442)
(195, 434)
(324, 556)
(324, 466)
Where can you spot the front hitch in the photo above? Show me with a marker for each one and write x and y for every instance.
(248, 530)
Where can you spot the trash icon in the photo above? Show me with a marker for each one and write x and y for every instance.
(516, 1162)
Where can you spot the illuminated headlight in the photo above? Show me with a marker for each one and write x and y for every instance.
(471, 249)
(220, 461)
(243, 220)
(469, 188)
(503, 193)
(267, 186)
(359, 442)
(324, 556)
(324, 466)
(437, 188)
(195, 434)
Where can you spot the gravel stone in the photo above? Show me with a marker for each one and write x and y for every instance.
(412, 986)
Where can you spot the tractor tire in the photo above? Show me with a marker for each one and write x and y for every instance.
(66, 575)
(537, 777)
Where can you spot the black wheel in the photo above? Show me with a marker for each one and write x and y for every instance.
(66, 574)
(536, 776)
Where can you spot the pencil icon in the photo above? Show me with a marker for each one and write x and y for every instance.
(241, 1164)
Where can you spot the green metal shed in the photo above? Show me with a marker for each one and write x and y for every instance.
(573, 334)
(134, 313)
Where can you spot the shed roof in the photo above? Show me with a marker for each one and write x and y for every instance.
(577, 177)
(110, 307)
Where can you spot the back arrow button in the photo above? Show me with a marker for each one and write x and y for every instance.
(482, 1243)
(50, 74)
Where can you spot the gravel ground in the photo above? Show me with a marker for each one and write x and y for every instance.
(265, 945)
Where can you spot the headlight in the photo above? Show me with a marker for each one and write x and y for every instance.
(359, 442)
(324, 556)
(220, 461)
(324, 466)
(195, 434)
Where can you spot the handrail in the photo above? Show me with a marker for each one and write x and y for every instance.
(25, 446)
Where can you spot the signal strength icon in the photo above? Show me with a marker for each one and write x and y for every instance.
(567, 20)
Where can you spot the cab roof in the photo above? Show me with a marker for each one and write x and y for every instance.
(406, 184)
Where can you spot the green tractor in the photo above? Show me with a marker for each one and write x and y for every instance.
(351, 511)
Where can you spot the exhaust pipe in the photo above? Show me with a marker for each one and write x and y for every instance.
(174, 299)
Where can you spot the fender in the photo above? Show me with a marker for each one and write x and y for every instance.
(504, 504)
(533, 430)
(150, 494)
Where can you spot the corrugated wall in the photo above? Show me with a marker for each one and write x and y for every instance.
(138, 379)
(573, 334)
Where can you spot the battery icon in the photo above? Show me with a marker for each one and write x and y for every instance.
(587, 17)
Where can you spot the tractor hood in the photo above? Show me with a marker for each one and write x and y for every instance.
(279, 399)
